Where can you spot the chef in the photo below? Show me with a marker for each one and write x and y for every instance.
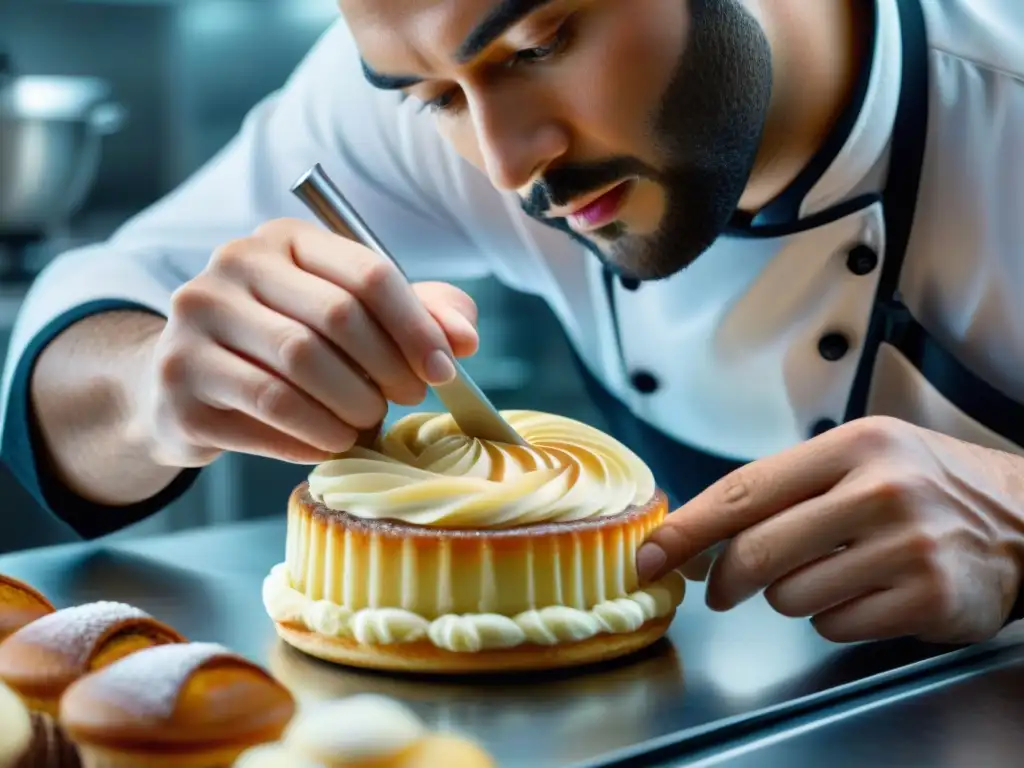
(784, 238)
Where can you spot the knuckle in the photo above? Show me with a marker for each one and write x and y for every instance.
(751, 554)
(923, 551)
(373, 274)
(874, 434)
(297, 347)
(173, 367)
(191, 300)
(233, 257)
(899, 487)
(339, 315)
(270, 396)
(736, 491)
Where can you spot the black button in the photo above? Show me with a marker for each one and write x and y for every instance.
(861, 260)
(832, 346)
(644, 382)
(629, 283)
(822, 426)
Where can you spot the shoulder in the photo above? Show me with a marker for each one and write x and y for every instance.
(986, 33)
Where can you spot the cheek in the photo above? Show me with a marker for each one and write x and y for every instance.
(622, 71)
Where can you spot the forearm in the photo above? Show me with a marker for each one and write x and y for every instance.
(84, 394)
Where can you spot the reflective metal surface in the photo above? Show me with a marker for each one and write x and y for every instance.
(972, 718)
(714, 671)
(51, 131)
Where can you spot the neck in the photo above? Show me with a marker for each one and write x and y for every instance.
(818, 50)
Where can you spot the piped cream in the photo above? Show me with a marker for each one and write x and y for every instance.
(425, 471)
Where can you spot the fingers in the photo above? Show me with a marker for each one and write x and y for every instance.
(296, 354)
(341, 319)
(875, 616)
(808, 531)
(227, 382)
(455, 311)
(869, 566)
(292, 342)
(379, 286)
(231, 433)
(742, 499)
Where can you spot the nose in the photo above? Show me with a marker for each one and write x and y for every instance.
(517, 138)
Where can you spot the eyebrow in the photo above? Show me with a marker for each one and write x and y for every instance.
(388, 82)
(505, 15)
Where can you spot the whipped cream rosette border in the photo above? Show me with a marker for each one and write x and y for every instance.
(468, 633)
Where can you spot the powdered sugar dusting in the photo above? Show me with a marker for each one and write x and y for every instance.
(148, 682)
(77, 631)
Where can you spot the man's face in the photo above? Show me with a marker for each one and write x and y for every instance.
(633, 125)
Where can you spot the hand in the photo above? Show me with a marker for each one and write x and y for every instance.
(290, 343)
(876, 529)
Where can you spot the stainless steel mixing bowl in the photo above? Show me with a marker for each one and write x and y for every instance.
(51, 134)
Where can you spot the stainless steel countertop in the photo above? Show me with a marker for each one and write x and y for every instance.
(713, 673)
(969, 717)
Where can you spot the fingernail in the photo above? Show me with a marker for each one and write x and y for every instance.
(650, 559)
(438, 367)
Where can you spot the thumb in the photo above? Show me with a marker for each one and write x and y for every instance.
(455, 311)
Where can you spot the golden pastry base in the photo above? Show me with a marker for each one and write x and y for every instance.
(431, 572)
(424, 657)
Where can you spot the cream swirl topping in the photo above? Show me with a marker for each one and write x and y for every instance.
(425, 471)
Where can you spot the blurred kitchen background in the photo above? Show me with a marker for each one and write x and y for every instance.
(185, 73)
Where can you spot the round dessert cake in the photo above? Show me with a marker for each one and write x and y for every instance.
(436, 552)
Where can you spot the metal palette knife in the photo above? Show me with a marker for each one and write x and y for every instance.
(472, 411)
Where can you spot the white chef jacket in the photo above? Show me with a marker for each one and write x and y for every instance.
(752, 349)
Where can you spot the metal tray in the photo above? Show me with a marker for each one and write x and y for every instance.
(711, 676)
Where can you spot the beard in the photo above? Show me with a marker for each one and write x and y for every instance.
(708, 128)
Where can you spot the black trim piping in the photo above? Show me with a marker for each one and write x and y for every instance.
(909, 140)
(781, 216)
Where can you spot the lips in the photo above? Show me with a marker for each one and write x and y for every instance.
(601, 211)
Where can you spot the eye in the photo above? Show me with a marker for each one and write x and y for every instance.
(555, 45)
(449, 103)
(444, 102)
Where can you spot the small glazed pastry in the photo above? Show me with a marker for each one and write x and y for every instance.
(437, 552)
(365, 731)
(20, 604)
(15, 729)
(193, 705)
(40, 661)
